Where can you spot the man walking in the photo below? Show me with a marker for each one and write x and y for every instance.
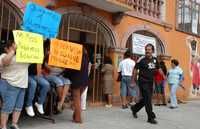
(147, 66)
(126, 68)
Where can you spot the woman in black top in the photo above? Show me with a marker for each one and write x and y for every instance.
(79, 81)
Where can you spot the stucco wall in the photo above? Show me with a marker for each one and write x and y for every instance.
(174, 41)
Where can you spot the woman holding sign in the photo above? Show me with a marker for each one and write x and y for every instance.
(79, 81)
(14, 81)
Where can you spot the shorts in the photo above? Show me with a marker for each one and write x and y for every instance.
(132, 90)
(125, 84)
(159, 88)
(13, 97)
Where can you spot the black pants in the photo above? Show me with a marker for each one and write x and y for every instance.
(146, 90)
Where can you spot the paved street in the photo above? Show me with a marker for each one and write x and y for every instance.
(187, 116)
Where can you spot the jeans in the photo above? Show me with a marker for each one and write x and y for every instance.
(58, 80)
(13, 97)
(44, 87)
(125, 84)
(173, 99)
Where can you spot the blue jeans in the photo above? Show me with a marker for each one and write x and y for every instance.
(44, 87)
(58, 80)
(125, 84)
(173, 99)
(13, 97)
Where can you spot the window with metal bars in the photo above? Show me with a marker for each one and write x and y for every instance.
(10, 19)
(188, 17)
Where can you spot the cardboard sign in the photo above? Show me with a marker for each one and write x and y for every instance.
(65, 54)
(29, 47)
(40, 20)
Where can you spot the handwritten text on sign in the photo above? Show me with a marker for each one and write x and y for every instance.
(65, 54)
(29, 47)
(41, 20)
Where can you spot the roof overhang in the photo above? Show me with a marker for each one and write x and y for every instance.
(108, 5)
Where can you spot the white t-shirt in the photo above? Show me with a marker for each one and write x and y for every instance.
(126, 67)
(16, 74)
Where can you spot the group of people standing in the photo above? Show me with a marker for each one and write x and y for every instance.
(149, 74)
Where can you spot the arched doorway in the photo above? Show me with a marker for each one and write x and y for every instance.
(97, 38)
(10, 19)
(160, 49)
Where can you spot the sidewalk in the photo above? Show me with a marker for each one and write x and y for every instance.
(187, 116)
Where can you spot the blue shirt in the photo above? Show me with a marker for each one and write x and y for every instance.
(175, 75)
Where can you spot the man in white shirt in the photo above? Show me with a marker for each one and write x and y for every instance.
(126, 67)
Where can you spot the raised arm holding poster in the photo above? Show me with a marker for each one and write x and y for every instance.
(40, 20)
(29, 47)
(65, 54)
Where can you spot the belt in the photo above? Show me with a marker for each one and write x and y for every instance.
(126, 76)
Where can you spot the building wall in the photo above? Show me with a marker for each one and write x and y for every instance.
(175, 42)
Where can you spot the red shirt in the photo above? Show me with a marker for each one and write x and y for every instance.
(158, 77)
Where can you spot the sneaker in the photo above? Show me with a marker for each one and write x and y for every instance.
(152, 121)
(194, 91)
(30, 111)
(133, 112)
(14, 127)
(84, 109)
(39, 108)
(108, 105)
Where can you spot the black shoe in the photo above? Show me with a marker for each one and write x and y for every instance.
(164, 104)
(124, 106)
(133, 112)
(157, 104)
(153, 115)
(152, 121)
(173, 107)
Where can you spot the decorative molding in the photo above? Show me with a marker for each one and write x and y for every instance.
(92, 14)
(167, 26)
(133, 29)
(119, 50)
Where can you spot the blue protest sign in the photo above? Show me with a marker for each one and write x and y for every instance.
(40, 20)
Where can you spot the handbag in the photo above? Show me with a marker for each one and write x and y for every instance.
(119, 78)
